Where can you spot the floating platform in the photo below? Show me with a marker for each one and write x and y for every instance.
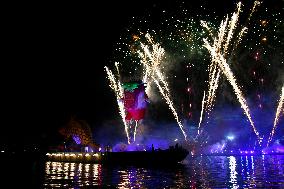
(168, 156)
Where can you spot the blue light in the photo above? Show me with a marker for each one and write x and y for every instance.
(230, 137)
(77, 139)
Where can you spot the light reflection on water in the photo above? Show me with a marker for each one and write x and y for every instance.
(195, 172)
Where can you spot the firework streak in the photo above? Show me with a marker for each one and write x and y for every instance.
(279, 110)
(219, 52)
(115, 85)
(151, 61)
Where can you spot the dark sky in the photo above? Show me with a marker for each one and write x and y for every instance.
(53, 66)
(52, 63)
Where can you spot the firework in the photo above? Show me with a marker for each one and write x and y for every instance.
(115, 85)
(181, 36)
(222, 44)
(201, 114)
(135, 129)
(151, 61)
(279, 110)
(218, 52)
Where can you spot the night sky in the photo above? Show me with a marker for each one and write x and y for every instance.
(54, 58)
(53, 65)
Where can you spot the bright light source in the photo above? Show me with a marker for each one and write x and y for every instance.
(230, 137)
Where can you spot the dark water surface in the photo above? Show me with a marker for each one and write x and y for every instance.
(195, 172)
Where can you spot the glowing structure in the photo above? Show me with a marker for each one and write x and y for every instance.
(135, 101)
(279, 111)
(218, 50)
(80, 132)
(151, 58)
(131, 101)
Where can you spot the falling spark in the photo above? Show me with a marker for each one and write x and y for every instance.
(118, 90)
(279, 109)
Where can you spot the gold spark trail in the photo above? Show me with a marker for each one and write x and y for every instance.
(219, 52)
(135, 129)
(115, 85)
(151, 60)
(279, 112)
(229, 75)
(222, 43)
(171, 106)
(201, 114)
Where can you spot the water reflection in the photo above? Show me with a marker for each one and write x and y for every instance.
(61, 174)
(233, 172)
(196, 172)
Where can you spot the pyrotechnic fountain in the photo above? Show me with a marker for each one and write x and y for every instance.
(279, 110)
(219, 51)
(151, 62)
(115, 85)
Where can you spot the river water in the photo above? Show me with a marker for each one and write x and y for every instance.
(259, 171)
(263, 171)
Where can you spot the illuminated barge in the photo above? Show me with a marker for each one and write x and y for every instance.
(168, 156)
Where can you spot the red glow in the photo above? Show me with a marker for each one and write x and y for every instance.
(189, 114)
